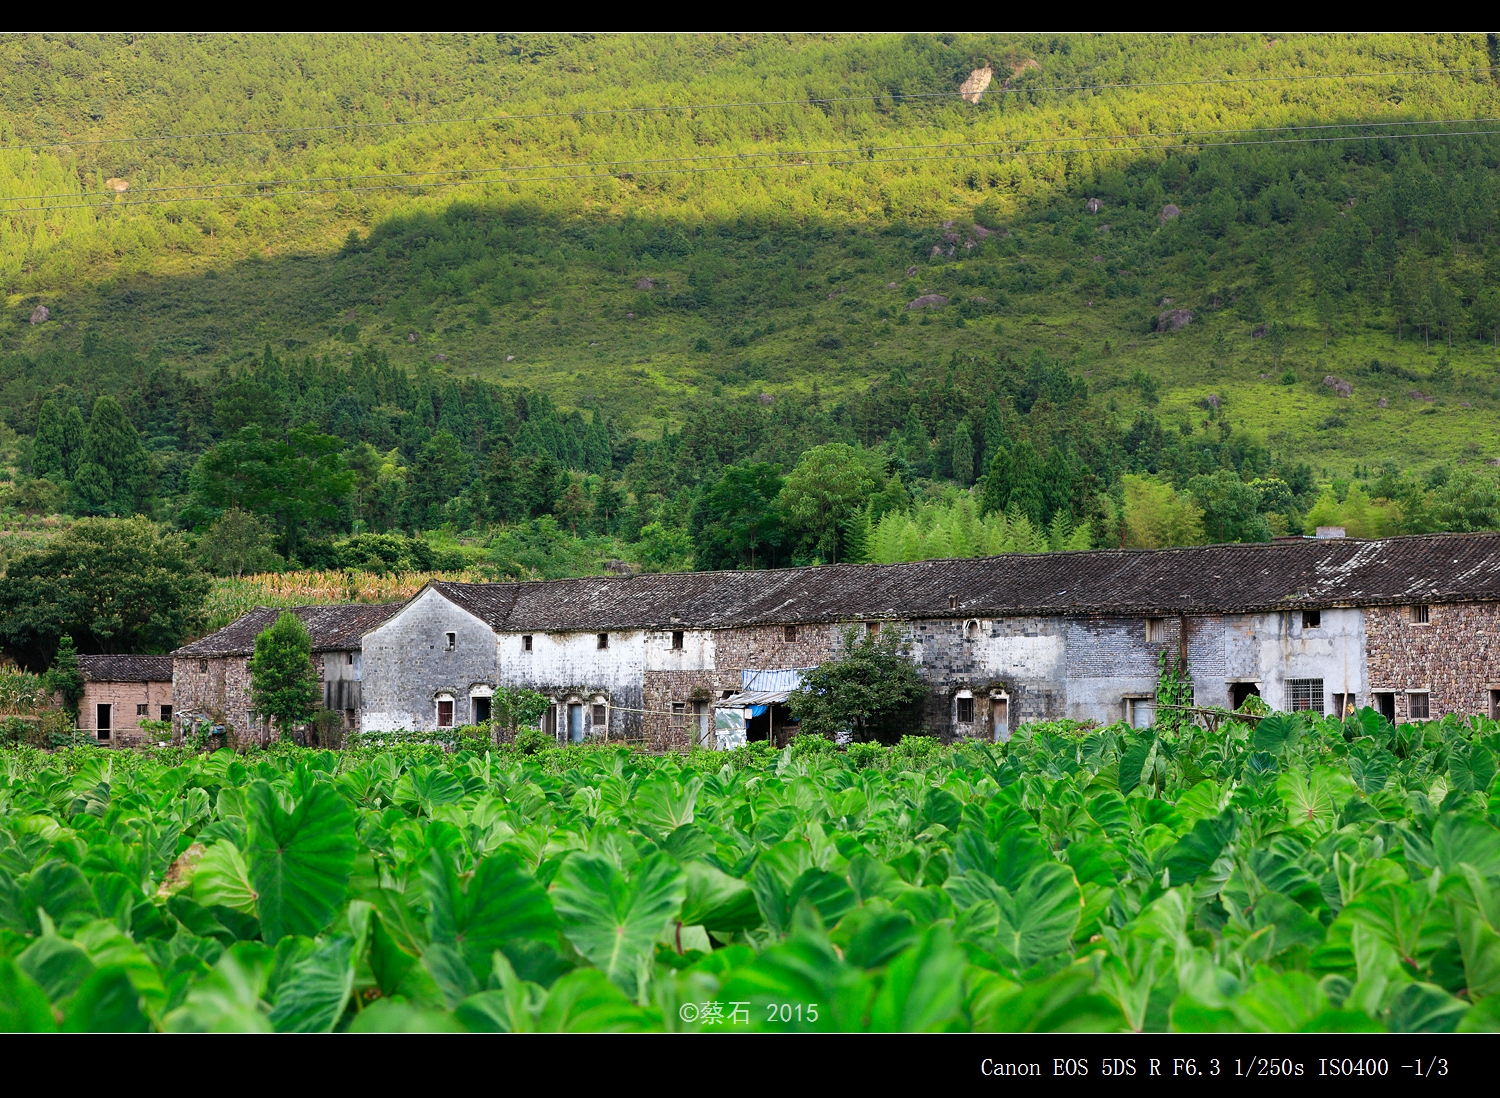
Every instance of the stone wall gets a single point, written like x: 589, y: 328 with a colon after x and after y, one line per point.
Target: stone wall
x: 664, y: 729
x: 1455, y: 656
x: 406, y: 665
x: 217, y: 690
x: 1023, y: 659
x: 126, y: 698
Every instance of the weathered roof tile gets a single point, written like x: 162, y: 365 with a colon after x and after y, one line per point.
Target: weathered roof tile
x: 126, y: 668
x: 333, y: 629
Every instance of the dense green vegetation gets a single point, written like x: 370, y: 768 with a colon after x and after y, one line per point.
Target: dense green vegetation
x: 1294, y: 875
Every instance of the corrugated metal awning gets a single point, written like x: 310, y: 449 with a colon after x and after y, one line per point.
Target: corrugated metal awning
x: 754, y: 697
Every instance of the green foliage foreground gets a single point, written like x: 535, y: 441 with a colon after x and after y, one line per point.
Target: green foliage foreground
x: 1297, y: 875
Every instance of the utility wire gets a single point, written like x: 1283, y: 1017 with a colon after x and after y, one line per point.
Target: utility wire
x: 868, y: 150
x: 897, y: 97
x: 755, y: 167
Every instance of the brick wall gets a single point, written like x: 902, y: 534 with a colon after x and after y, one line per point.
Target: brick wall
x: 125, y: 697
x: 665, y: 731
x: 217, y: 689
x: 1456, y: 655
x: 763, y: 647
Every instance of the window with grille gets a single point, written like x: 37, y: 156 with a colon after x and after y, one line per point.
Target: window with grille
x: 142, y: 709
x: 1416, y: 706
x: 600, y: 716
x: 1154, y: 631
x: 1304, y: 694
x: 965, y: 710
x: 1421, y: 614
x: 445, y: 713
x: 603, y: 640
x: 526, y: 642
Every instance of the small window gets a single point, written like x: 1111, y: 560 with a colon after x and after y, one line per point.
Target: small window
x: 1312, y: 619
x: 481, y: 710
x: 677, y: 639
x: 790, y: 632
x: 1304, y: 694
x: 679, y: 714
x: 526, y: 642
x: 349, y: 659
x: 142, y: 709
x: 1154, y: 631
x: 349, y: 717
x: 1344, y: 704
x: 202, y: 665
x: 1385, y: 701
x: 445, y: 712
x: 601, y: 716
x: 1421, y: 614
x: 971, y: 629
x: 166, y: 712
x: 450, y: 641
x: 603, y: 641
x: 1416, y: 705
x: 965, y: 710
x: 872, y: 628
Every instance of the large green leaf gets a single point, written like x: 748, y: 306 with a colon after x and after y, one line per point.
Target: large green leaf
x: 312, y: 999
x: 615, y: 921
x: 501, y: 903
x: 1313, y: 800
x: 1276, y: 732
x: 299, y: 862
x: 57, y: 965
x: 665, y: 805
x: 223, y: 880
x: 1460, y: 839
x: 803, y: 970
x: 227, y: 1000
x: 716, y: 901
x: 923, y: 987
x: 23, y: 1005
x: 1038, y: 920
x: 586, y: 1002
x: 1192, y: 854
x: 108, y: 1002
x: 60, y: 889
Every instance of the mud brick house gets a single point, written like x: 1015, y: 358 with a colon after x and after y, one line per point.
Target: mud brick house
x: 121, y: 691
x: 1408, y: 625
x: 211, y: 676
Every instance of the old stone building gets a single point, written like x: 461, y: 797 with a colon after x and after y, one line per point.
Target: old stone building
x: 121, y: 691
x: 211, y: 676
x: 1408, y: 625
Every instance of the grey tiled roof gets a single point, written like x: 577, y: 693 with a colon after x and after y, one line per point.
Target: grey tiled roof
x: 333, y: 629
x: 1305, y: 573
x: 126, y: 668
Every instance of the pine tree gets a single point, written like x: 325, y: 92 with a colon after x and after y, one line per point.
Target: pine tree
x: 963, y: 454
x: 998, y: 481
x: 596, y: 445
x: 112, y: 470
x: 1026, y: 483
x: 499, y: 480
x: 55, y: 453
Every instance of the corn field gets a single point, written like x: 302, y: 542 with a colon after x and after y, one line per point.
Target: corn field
x: 22, y: 694
x: 230, y: 597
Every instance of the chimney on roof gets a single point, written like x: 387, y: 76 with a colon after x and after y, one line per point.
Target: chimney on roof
x: 1330, y: 532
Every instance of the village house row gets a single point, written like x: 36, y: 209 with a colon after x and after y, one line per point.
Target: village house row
x: 1410, y: 626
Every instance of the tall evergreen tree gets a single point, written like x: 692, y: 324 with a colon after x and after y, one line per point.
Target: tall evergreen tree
x: 1026, y: 483
x: 499, y: 481
x: 59, y: 441
x: 998, y: 481
x: 283, y: 681
x: 112, y: 475
x: 963, y: 453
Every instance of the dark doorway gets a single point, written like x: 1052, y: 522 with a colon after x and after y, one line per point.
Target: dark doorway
x: 1239, y: 691
x: 481, y: 710
x: 783, y: 728
x: 1386, y: 704
x: 103, y: 719
x: 759, y: 728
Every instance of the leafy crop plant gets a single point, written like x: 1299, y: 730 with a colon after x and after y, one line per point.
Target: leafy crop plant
x: 1282, y: 874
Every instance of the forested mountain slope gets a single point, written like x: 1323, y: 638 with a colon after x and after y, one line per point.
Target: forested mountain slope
x: 740, y: 271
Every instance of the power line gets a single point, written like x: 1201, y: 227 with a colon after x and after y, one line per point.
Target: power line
x: 868, y: 150
x: 756, y: 167
x: 896, y: 97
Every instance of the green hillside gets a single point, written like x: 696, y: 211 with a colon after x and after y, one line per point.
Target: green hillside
x: 491, y: 271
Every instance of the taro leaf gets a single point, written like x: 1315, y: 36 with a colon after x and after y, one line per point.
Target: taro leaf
x: 804, y: 969
x: 222, y: 879
x: 57, y: 965
x: 689, y: 843
x: 1134, y: 761
x: 1425, y: 1008
x: 395, y: 1016
x: 1091, y: 861
x: 612, y: 921
x: 1195, y: 852
x: 503, y: 902
x: 663, y: 804
x: 585, y: 1001
x: 1109, y: 812
x: 117, y: 895
x: 1481, y: 950
x: 1466, y: 839
x: 429, y: 787
x: 61, y: 890
x: 773, y: 826
x: 717, y: 901
x: 107, y: 1003
x: 1312, y: 801
x: 1017, y: 853
x: 1280, y: 1004
x: 1199, y: 802
x: 450, y: 972
x: 871, y: 879
x: 776, y: 871
x: 299, y: 862
x: 1470, y: 770
x: 1058, y: 1002
x: 1290, y: 924
x: 940, y: 807
x: 199, y: 920
x: 23, y: 1005
x: 397, y: 970
x: 923, y: 987
x: 313, y: 998
x: 871, y: 935
x: 1038, y: 920
x: 1371, y: 770
x: 1276, y: 732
